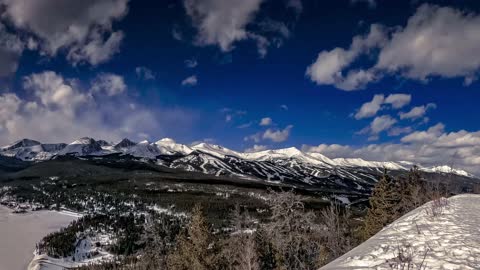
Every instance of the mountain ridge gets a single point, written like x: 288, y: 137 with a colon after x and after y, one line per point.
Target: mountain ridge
x: 31, y: 150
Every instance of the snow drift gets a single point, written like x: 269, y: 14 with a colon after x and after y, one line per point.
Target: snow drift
x: 428, y: 237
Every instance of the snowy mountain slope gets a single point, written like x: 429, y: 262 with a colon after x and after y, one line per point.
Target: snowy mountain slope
x: 82, y: 147
x: 27, y: 149
x: 169, y: 146
x: 215, y: 150
x: 449, y: 240
x: 289, y: 165
x: 358, y: 162
x: 446, y: 169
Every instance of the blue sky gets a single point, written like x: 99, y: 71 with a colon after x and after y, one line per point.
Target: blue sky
x: 211, y: 70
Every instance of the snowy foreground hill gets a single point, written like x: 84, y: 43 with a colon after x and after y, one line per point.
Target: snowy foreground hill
x: 446, y: 236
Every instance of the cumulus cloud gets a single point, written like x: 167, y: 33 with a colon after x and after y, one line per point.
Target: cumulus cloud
x: 382, y: 123
x: 434, y: 146
x: 190, y: 81
x: 417, y: 112
x: 109, y: 84
x: 398, y: 100
x: 256, y: 148
x: 371, y: 108
x: 224, y: 23
x: 221, y: 22
x: 328, y: 68
x: 428, y: 136
x: 11, y: 48
x: 83, y: 29
x: 426, y: 47
x: 56, y: 109
x: 144, y: 73
x: 266, y: 121
x: 277, y: 135
x: 330, y: 150
x: 378, y: 125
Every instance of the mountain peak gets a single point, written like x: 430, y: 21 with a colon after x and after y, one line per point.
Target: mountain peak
x: 125, y: 143
x: 84, y: 140
x: 21, y: 143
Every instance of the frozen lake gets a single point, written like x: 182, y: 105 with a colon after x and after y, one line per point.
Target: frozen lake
x: 20, y: 232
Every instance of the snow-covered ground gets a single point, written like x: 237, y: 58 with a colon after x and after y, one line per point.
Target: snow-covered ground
x: 20, y: 232
x: 449, y: 240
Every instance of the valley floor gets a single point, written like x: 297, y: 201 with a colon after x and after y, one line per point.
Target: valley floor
x: 19, y: 234
x: 445, y: 237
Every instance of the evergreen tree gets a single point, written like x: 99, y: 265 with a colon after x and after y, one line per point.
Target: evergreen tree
x: 412, y: 192
x: 193, y: 249
x: 383, y: 206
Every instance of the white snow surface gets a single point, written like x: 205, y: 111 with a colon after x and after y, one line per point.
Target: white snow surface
x: 358, y: 162
x: 450, y: 240
x: 215, y: 150
x: 170, y: 146
x: 20, y: 232
x: 447, y: 169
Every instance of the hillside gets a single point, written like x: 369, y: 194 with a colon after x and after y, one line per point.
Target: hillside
x: 429, y: 237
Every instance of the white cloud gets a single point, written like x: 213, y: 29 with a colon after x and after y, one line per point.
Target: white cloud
x: 329, y: 65
x: 220, y: 22
x: 190, y: 81
x: 284, y: 107
x: 56, y: 109
x: 396, y: 131
x: 382, y: 123
x: 82, y: 28
x: 54, y: 93
x: 256, y: 148
x: 371, y: 108
x: 428, y: 46
x: 330, y: 150
x: 108, y: 83
x: 11, y: 48
x: 434, y: 146
x: 277, y: 135
x: 378, y: 125
x: 398, y: 100
x: 417, y: 112
x: 428, y: 136
x: 223, y: 23
x: 144, y: 73
x: 266, y: 121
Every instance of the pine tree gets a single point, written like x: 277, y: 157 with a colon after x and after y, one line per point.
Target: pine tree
x: 383, y: 206
x: 193, y: 249
x: 412, y: 192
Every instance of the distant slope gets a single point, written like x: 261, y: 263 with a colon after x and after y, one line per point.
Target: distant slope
x: 450, y: 240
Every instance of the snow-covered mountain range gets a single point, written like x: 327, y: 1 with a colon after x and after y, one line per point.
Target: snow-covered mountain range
x: 278, y: 165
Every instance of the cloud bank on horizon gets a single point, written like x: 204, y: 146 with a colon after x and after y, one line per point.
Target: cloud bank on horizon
x: 83, y: 68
